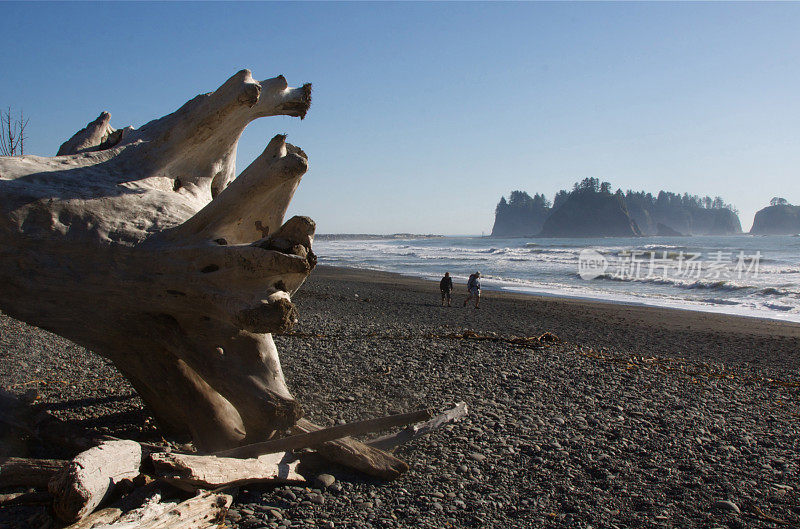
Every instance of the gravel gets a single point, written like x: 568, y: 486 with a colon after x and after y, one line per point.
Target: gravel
x: 581, y: 433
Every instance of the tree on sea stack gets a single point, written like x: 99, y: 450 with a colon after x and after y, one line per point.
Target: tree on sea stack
x: 140, y: 245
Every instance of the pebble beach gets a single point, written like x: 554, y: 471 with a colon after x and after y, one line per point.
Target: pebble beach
x: 620, y: 416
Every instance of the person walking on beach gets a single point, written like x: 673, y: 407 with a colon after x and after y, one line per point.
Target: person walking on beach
x: 474, y: 287
x: 446, y: 286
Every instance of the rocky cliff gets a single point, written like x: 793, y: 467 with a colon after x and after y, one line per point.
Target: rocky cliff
x: 779, y: 219
x: 520, y: 216
x: 683, y: 214
x: 589, y: 214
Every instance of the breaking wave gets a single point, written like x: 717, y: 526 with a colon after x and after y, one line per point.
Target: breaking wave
x: 551, y: 266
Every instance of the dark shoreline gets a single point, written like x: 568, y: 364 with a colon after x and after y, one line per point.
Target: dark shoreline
x: 637, y: 329
x: 782, y: 327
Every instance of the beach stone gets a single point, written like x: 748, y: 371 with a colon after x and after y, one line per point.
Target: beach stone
x: 726, y: 506
x: 250, y: 522
x: 290, y: 496
x: 317, y: 499
x: 323, y: 481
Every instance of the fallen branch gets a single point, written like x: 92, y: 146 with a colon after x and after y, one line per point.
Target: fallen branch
x: 314, y: 437
x: 354, y: 454
x: 88, y: 479
x: 390, y: 441
x: 764, y: 516
x: 24, y: 472
x: 212, y: 472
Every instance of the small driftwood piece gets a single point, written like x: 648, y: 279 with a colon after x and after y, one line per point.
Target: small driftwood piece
x: 25, y: 498
x: 212, y: 472
x: 24, y: 472
x: 355, y: 454
x: 390, y: 441
x: 204, y: 511
x: 151, y: 508
x: 98, y: 518
x: 314, y: 437
x: 139, y: 497
x: 88, y: 479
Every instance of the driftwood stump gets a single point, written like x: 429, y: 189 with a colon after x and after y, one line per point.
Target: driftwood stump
x: 140, y: 245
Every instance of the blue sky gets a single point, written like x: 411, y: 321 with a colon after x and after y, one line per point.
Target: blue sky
x: 424, y: 114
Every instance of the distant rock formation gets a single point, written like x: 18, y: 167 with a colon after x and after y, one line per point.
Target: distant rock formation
x: 684, y: 214
x: 521, y: 216
x: 587, y: 213
x: 781, y: 218
x: 715, y: 222
x: 593, y: 211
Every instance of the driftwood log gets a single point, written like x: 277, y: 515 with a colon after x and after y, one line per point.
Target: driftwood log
x: 22, y: 471
x: 80, y: 486
x: 355, y: 454
x: 25, y: 498
x: 140, y: 245
x: 137, y: 499
x: 190, y: 472
x: 204, y: 511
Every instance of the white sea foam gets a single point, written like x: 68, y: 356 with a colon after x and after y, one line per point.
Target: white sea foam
x: 549, y: 266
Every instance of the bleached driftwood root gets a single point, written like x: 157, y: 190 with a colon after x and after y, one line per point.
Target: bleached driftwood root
x: 140, y: 245
x: 89, y: 478
x: 211, y: 472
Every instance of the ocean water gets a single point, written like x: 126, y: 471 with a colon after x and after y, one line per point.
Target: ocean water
x: 746, y: 275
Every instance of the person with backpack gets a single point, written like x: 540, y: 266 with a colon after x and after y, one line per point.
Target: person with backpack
x: 446, y: 286
x: 474, y: 287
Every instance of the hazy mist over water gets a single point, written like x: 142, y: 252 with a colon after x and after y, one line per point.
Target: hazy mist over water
x: 745, y: 275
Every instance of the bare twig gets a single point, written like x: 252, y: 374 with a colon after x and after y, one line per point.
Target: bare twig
x: 12, y: 133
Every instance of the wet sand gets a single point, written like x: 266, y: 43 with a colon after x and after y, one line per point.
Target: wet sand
x: 633, y: 329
